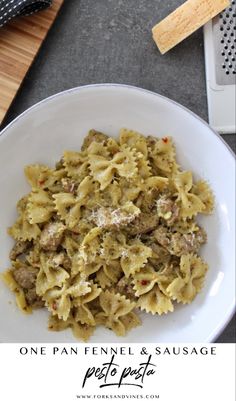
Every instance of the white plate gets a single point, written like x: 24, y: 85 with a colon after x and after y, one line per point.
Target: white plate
x: 42, y: 133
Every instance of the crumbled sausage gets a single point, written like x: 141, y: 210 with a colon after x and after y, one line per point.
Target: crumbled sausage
x: 25, y: 276
x: 162, y: 236
x: 33, y: 299
x: 143, y: 223
x: 93, y: 136
x: 68, y: 185
x: 59, y: 259
x: 19, y: 248
x: 147, y: 200
x: 67, y: 263
x: 51, y: 236
x: 167, y: 210
x: 56, y: 260
x: 187, y: 243
x: 59, y: 165
x: 179, y: 244
x: 151, y: 141
x: 125, y: 287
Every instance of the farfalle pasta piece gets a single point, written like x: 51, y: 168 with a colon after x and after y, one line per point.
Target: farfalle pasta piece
x: 123, y: 163
x: 11, y: 283
x: 76, y: 165
x: 71, y: 245
x: 49, y: 276
x: 133, y: 139
x: 112, y: 146
x: 59, y: 300
x: 162, y: 154
x: 68, y: 206
x: 23, y: 229
x: 144, y: 168
x: 99, y: 149
x: 87, y: 268
x: 81, y: 331
x: 136, y: 141
x: 109, y: 273
x: 134, y: 257
x: 155, y: 301
x: 40, y: 206
x: 130, y: 190
x: 90, y: 247
x: 42, y: 177
x: 205, y: 194
x: 114, y: 307
x: 85, y: 188
x: 79, y: 286
x: 88, y: 296
x: 190, y: 281
x: 144, y: 280
x: 130, y: 321
x: 68, y: 209
x: 102, y: 170
x: 112, y: 195
x: 113, y: 245
x: 84, y: 315
x: 83, y: 311
x: 36, y: 174
x: 168, y: 272
x: 190, y: 204
x: 93, y: 136
x: 156, y: 182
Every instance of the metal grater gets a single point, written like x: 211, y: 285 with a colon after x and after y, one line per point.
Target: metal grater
x: 220, y: 56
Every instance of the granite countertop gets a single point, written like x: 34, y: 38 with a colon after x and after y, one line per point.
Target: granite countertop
x: 110, y: 41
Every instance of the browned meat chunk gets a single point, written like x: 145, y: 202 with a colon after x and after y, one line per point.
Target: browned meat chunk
x: 93, y: 136
x: 144, y: 223
x: 51, y: 236
x: 162, y: 236
x: 179, y: 244
x: 55, y: 260
x: 125, y: 287
x: 33, y: 299
x: 167, y: 210
x: 19, y: 248
x: 187, y: 243
x: 151, y: 141
x: 146, y: 201
x: 59, y: 165
x: 25, y: 276
x: 68, y: 185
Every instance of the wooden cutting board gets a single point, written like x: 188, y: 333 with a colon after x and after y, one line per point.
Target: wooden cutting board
x: 20, y: 41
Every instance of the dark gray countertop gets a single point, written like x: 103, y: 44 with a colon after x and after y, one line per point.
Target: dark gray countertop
x: 97, y: 41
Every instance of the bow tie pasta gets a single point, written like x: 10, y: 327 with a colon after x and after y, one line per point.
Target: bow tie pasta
x: 107, y: 233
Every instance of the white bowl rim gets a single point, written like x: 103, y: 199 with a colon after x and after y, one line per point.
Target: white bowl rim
x: 231, y: 313
x: 125, y: 86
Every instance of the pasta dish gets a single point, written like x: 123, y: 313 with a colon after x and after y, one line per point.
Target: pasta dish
x: 110, y: 231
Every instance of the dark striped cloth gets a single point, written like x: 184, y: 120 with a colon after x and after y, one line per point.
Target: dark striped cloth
x: 12, y: 8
